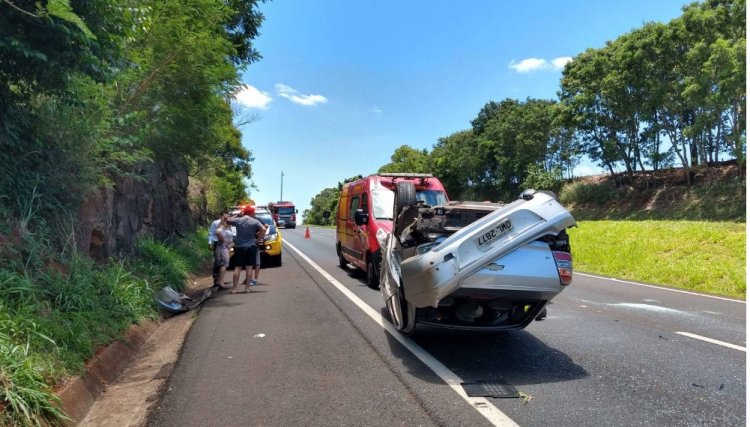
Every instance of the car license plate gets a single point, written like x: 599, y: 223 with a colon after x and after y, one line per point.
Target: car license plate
x: 494, y: 234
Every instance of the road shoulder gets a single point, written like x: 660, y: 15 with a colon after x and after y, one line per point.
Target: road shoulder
x: 129, y: 399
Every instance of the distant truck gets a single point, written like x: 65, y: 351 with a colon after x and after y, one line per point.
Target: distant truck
x: 284, y: 213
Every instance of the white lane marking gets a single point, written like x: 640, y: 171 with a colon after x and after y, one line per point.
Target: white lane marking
x: 648, y: 307
x: 481, y: 404
x: 712, y: 341
x: 662, y: 288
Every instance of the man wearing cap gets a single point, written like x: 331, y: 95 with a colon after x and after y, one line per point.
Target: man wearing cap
x: 249, y: 230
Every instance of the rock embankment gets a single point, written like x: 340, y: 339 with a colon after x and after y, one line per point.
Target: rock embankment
x: 152, y: 202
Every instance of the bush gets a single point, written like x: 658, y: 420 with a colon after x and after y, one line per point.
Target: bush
x: 583, y: 193
x: 161, y: 264
x: 540, y: 179
x: 56, y: 311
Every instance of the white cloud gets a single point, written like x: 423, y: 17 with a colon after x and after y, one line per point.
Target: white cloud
x: 559, y: 63
x: 298, y: 98
x: 529, y: 64
x: 538, y: 64
x: 251, y: 97
x: 376, y: 109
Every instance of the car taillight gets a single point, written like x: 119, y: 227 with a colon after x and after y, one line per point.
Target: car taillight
x: 564, y: 263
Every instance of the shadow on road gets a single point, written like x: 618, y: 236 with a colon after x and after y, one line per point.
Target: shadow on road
x: 517, y: 357
x: 355, y: 273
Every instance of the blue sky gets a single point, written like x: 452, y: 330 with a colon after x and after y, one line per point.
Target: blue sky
x: 342, y: 84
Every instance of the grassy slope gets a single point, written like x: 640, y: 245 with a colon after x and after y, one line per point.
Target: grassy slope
x: 701, y: 256
x: 55, y: 313
x: 686, y: 237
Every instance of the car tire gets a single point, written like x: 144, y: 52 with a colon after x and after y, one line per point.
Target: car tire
x: 403, y: 313
x: 406, y: 195
x: 342, y: 261
x: 277, y: 260
x: 373, y: 281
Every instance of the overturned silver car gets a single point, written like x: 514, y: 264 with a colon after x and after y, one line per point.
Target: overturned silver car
x: 474, y: 265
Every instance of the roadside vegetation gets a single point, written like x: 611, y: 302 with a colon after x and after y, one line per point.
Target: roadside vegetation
x: 90, y: 92
x: 58, y: 306
x: 699, y: 256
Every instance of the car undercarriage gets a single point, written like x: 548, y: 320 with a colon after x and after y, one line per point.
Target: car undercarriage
x: 475, y: 265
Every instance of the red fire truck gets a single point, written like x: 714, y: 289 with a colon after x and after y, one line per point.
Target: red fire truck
x: 284, y: 213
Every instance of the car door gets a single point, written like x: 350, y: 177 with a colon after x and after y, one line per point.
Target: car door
x: 352, y: 230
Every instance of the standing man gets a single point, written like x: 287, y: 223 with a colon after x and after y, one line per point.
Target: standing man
x: 213, y: 242
x: 249, y: 231
x: 260, y: 242
x: 224, y: 245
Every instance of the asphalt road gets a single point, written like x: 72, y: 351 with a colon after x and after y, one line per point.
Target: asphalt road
x: 609, y: 353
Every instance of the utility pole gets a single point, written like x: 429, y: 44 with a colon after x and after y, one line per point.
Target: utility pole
x: 281, y: 197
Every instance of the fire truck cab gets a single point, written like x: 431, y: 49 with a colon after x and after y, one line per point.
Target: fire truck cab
x: 284, y: 213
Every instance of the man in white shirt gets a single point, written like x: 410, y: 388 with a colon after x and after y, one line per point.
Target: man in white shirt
x: 212, y: 241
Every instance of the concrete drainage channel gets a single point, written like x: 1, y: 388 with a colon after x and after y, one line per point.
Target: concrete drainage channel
x: 78, y: 395
x: 124, y: 381
x: 128, y: 400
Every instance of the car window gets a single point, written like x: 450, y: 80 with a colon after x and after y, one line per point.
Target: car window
x: 265, y: 219
x: 432, y: 197
x: 353, y: 206
x: 382, y: 203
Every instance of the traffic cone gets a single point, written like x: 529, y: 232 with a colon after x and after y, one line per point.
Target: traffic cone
x: 307, y: 232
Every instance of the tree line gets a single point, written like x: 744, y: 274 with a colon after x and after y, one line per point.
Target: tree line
x: 663, y: 95
x: 90, y: 89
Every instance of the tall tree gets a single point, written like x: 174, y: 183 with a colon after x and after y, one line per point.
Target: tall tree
x: 516, y: 136
x: 458, y: 165
x: 407, y: 159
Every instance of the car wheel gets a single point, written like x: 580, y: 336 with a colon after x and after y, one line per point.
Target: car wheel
x: 277, y: 260
x: 403, y: 314
x: 373, y: 281
x: 342, y: 262
x: 406, y: 195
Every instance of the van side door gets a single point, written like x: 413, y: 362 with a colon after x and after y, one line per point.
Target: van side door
x: 362, y: 244
x: 352, y: 230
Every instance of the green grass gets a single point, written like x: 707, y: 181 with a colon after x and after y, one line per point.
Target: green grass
x: 55, y: 311
x: 701, y: 256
